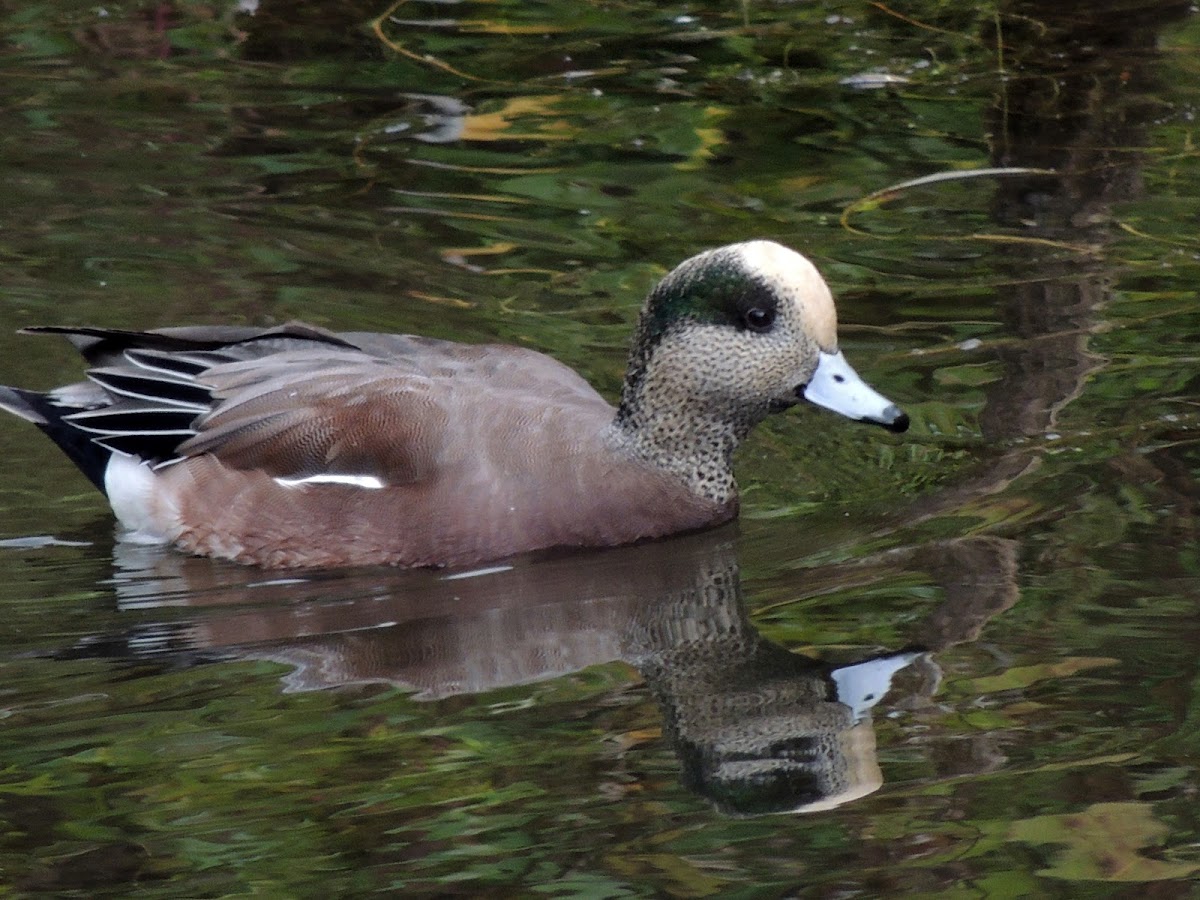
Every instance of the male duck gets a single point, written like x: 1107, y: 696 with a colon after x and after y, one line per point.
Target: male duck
x: 295, y: 446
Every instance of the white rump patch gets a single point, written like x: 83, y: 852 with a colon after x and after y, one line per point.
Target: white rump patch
x: 130, y: 484
x: 371, y: 482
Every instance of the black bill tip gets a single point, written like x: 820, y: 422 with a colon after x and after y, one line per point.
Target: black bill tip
x: 894, y: 419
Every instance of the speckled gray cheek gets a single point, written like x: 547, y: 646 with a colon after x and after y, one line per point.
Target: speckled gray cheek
x: 702, y: 391
x: 791, y: 363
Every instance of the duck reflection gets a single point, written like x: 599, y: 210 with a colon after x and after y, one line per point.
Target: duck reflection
x: 757, y: 728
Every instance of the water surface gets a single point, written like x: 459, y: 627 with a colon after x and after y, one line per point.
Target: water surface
x: 967, y: 656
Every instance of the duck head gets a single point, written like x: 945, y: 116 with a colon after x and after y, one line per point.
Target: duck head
x: 741, y: 331
x: 725, y: 339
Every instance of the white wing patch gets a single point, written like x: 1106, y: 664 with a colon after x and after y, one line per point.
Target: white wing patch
x: 477, y: 573
x: 370, y: 482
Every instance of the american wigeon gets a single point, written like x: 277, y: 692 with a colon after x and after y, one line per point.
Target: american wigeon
x: 296, y: 446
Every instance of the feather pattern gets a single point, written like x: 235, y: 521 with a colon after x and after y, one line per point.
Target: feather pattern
x: 153, y: 387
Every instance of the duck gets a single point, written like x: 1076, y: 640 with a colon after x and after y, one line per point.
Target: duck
x: 298, y: 447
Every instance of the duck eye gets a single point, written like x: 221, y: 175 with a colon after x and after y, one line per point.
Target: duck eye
x: 759, y: 319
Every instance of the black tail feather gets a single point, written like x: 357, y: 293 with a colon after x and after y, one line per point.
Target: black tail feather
x: 90, y: 457
x: 161, y: 390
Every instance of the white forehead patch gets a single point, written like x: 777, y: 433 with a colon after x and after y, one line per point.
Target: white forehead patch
x: 795, y: 278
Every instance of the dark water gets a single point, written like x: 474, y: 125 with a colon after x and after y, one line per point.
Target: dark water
x: 970, y: 654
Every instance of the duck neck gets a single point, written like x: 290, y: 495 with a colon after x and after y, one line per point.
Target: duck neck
x: 691, y: 440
